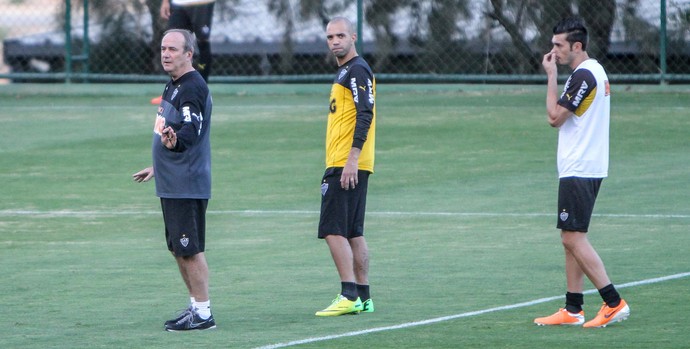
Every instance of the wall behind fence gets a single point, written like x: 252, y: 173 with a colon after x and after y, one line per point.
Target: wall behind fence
x: 405, y: 40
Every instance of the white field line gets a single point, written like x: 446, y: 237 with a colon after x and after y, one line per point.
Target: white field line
x: 93, y: 213
x: 462, y: 315
x: 135, y: 107
x: 105, y: 213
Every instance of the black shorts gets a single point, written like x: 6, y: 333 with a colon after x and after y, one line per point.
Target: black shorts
x: 342, y: 211
x: 185, y: 225
x: 196, y: 18
x: 576, y: 197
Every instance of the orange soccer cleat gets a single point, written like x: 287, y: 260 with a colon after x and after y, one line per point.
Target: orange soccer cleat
x: 561, y: 317
x: 608, y: 315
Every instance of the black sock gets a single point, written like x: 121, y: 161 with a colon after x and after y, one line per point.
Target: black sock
x: 610, y: 296
x: 574, y: 302
x: 363, y: 292
x: 349, y: 290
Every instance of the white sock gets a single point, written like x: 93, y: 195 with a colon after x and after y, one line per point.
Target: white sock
x: 203, y: 309
x: 192, y: 300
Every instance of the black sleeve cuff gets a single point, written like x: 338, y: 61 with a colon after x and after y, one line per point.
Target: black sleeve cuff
x: 178, y: 147
x: 358, y: 143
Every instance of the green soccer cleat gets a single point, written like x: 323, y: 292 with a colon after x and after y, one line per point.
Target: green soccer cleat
x: 358, y: 306
x: 368, y: 306
x: 341, y: 306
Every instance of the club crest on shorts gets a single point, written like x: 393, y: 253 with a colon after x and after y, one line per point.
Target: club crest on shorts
x: 563, y: 216
x: 324, y: 188
x: 184, y: 240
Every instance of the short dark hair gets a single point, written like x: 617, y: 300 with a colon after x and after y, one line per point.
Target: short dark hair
x: 575, y: 28
x: 348, y: 23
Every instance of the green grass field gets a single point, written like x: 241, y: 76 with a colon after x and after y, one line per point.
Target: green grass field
x: 460, y: 221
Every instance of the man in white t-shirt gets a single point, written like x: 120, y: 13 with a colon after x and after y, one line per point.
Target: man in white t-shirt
x: 581, y: 114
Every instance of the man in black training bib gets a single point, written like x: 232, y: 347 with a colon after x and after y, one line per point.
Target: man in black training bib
x: 182, y: 168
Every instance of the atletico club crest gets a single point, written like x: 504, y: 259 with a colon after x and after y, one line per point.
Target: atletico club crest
x: 184, y: 240
x: 563, y: 216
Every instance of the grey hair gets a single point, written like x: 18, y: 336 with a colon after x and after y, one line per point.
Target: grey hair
x: 189, y: 38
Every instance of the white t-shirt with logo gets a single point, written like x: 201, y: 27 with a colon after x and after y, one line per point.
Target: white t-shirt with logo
x: 583, y: 139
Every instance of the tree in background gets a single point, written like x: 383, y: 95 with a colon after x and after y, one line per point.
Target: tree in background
x: 322, y: 10
x: 599, y: 16
x: 158, y: 25
x: 378, y: 15
x: 518, y: 16
x: 282, y: 9
x: 123, y: 44
x: 641, y: 35
x: 409, y: 36
x: 514, y: 16
x: 444, y: 42
x: 433, y: 31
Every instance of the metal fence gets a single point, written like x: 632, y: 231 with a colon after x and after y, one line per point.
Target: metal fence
x: 404, y: 40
